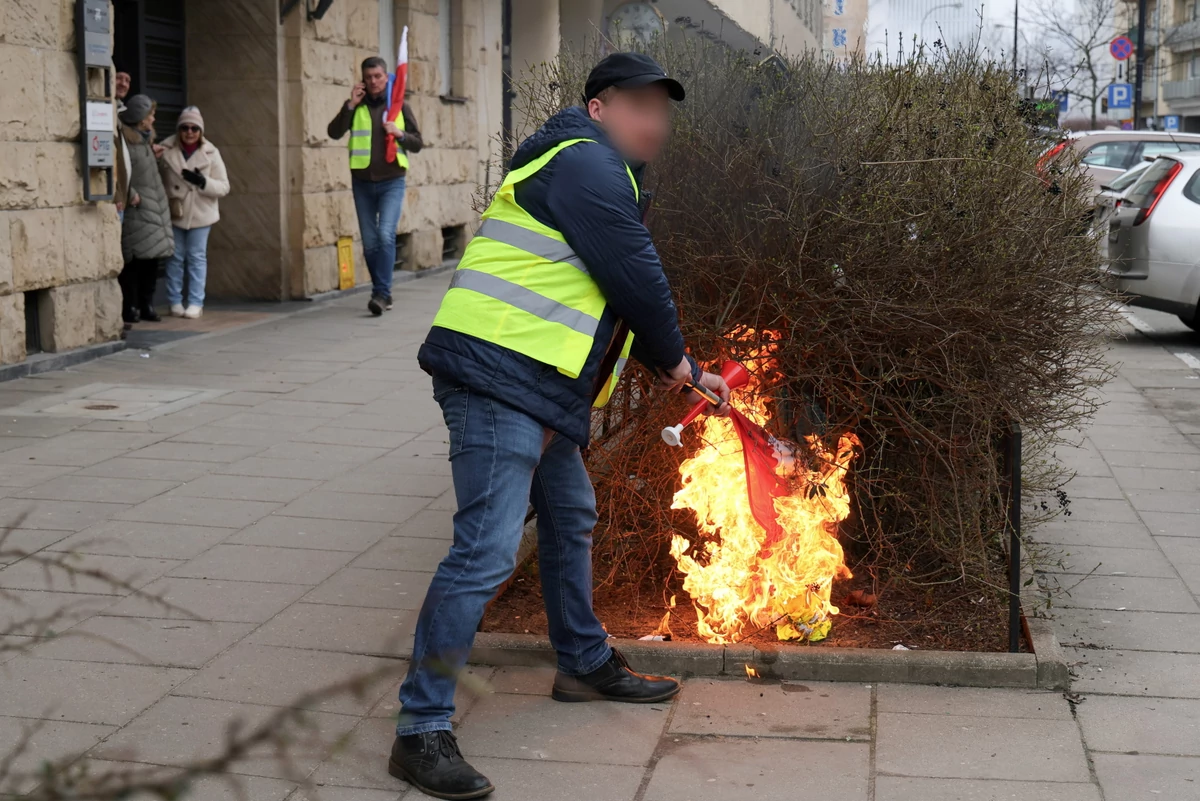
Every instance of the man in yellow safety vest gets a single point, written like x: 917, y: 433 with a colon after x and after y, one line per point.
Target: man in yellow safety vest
x: 531, y: 334
x: 378, y: 183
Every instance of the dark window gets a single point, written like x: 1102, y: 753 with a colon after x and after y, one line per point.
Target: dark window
x: 402, y: 246
x: 451, y: 242
x: 33, y: 324
x: 1191, y: 190
x: 1116, y: 155
x: 1144, y: 188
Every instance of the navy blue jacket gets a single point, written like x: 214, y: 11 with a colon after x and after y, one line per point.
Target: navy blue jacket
x: 585, y: 193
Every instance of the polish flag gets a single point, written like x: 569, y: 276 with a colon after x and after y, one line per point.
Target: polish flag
x: 396, y: 91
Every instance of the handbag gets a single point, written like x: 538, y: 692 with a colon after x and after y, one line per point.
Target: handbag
x: 176, y: 206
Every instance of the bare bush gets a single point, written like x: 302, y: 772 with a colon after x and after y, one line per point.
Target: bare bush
x: 928, y: 283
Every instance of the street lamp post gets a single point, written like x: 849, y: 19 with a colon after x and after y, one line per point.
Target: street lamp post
x: 1016, y: 28
x: 925, y: 18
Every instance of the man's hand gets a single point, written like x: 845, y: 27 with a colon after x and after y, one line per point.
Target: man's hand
x: 394, y: 130
x: 673, y: 380
x: 713, y: 382
x: 357, y: 93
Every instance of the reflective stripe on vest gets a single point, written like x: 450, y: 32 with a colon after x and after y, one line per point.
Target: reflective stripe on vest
x: 611, y: 384
x: 521, y: 286
x: 360, y: 139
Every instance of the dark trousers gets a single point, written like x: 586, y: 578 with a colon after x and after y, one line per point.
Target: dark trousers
x: 137, y: 280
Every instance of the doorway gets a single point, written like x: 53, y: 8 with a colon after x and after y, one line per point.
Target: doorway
x: 151, y: 46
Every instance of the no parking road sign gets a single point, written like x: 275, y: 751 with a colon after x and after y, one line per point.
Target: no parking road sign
x: 1121, y: 48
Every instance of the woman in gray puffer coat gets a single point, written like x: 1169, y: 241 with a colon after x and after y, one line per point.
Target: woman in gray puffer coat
x: 146, y: 235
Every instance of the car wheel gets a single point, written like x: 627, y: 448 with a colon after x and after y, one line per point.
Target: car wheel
x: 1192, y: 322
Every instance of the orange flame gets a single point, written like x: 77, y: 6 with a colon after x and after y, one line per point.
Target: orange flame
x: 751, y: 673
x: 736, y: 587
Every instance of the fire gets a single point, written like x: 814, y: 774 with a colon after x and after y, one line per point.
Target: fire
x: 737, y: 586
x: 752, y: 673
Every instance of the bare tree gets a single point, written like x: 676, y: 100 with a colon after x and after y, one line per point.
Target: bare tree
x: 1078, y: 37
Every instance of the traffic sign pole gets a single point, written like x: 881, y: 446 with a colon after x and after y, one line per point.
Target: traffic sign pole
x: 1141, y: 64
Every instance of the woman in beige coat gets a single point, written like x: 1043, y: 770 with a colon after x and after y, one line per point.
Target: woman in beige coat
x: 194, y: 175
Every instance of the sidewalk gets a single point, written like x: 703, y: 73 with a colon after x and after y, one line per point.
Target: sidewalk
x: 287, y: 483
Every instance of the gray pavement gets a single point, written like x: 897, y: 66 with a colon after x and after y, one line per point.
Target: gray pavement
x: 283, y: 487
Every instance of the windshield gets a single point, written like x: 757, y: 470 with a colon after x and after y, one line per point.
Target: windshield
x: 1129, y: 177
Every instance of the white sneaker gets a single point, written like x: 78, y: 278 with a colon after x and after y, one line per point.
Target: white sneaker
x: 177, y: 310
x: 193, y: 312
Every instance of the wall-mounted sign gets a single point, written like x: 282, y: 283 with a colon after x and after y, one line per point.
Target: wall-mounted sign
x: 99, y: 147
x: 97, y: 33
x: 99, y: 116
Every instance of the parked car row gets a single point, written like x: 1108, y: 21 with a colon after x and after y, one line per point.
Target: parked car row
x: 1147, y: 212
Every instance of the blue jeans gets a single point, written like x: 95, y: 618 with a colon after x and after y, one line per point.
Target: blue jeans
x: 501, y: 459
x: 191, y: 245
x: 379, y: 204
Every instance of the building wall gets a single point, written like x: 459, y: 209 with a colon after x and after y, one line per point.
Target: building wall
x: 845, y: 33
x: 51, y: 242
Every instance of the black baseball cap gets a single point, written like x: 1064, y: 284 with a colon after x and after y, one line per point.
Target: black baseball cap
x: 626, y: 71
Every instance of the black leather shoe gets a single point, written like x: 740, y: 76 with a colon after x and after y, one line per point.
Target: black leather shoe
x: 149, y: 315
x: 614, y: 681
x: 375, y: 305
x: 432, y: 763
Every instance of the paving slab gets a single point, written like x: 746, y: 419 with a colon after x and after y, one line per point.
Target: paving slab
x: 380, y: 589
x: 255, y: 421
x: 750, y: 770
x: 413, y: 554
x: 48, y: 740
x: 345, y: 506
x: 1148, y: 478
x: 1102, y: 487
x: 349, y: 454
x: 375, y: 481
x: 1127, y: 593
x: 32, y: 613
x: 84, y: 692
x: 28, y: 475
x: 1145, y: 725
x: 540, y: 728
x: 1103, y: 561
x: 1153, y: 459
x: 246, y: 488
x: 1138, y: 777
x: 1140, y: 631
x: 1068, y: 533
x: 898, y: 788
x: 144, y: 641
x: 209, y: 599
x: 353, y: 437
x: 56, y: 515
x: 282, y: 531
x: 328, y: 792
x: 340, y: 628
x: 98, y: 574
x: 197, y: 452
x: 381, y: 421
x: 972, y: 701
x: 96, y: 488
x: 522, y: 780
x: 178, y: 730
x: 263, y: 564
x: 523, y: 680
x: 296, y: 408
x: 811, y: 710
x: 285, y: 468
x: 155, y: 469
x: 17, y: 543
x: 130, y: 538
x: 1135, y: 673
x: 1184, y: 554
x: 428, y: 523
x: 262, y: 674
x: 198, y: 511
x: 362, y: 760
x: 218, y: 434
x: 967, y: 747
x: 1172, y: 524
x: 1097, y: 510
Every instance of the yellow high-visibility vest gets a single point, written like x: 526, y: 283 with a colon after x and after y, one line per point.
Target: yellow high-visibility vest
x: 360, y: 139
x: 520, y: 285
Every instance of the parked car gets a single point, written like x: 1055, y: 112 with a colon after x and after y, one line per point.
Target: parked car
x: 1107, y: 154
x: 1154, y: 238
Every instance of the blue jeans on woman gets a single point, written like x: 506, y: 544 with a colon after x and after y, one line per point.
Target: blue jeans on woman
x: 501, y: 459
x: 379, y: 204
x: 191, y: 246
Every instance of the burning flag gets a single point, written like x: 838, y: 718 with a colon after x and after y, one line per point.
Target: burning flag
x: 395, y: 92
x: 770, y: 511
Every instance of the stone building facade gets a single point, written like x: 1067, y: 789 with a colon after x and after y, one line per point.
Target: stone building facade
x: 267, y: 86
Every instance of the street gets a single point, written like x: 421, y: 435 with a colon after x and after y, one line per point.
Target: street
x: 284, y: 486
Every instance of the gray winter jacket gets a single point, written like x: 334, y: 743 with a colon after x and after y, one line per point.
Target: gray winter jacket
x: 146, y: 232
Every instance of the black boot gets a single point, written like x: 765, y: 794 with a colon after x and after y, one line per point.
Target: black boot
x: 432, y: 763
x: 614, y: 681
x: 149, y: 315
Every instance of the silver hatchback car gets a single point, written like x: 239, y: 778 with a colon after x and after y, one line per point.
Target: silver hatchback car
x: 1154, y: 238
